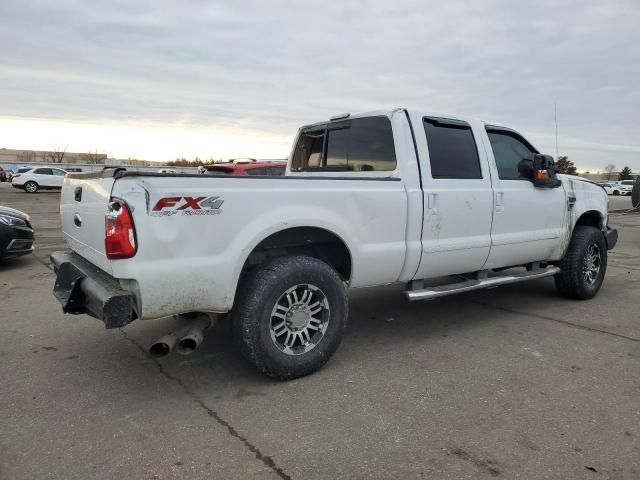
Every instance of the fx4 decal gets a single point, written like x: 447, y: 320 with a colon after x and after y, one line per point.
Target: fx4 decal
x: 168, y: 206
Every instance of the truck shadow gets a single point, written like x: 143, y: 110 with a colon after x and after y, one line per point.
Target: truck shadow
x: 384, y: 331
x: 381, y: 323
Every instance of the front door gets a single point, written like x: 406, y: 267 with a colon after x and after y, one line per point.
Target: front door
x: 458, y: 200
x: 528, y: 222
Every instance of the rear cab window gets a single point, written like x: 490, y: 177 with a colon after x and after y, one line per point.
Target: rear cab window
x: 354, y: 145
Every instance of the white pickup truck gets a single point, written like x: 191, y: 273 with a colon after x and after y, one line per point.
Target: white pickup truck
x: 369, y: 199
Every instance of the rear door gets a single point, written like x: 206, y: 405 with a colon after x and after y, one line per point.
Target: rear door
x: 528, y: 222
x: 458, y: 200
x: 58, y: 177
x: 83, y: 207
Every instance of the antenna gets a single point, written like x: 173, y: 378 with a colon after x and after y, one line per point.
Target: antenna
x: 555, y: 119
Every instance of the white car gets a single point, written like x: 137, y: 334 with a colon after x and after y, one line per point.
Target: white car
x: 616, y: 188
x: 38, y: 178
x: 391, y: 196
x: 625, y: 187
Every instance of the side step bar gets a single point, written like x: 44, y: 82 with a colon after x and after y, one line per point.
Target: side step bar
x: 469, y: 285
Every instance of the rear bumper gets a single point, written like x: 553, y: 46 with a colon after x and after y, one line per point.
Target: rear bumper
x: 81, y: 287
x: 611, y: 237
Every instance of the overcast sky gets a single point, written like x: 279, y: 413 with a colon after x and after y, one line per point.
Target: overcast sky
x: 157, y: 79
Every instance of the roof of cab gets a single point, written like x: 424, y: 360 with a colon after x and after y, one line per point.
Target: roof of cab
x: 389, y: 112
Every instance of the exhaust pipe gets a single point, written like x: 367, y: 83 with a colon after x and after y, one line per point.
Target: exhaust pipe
x: 163, y: 347
x: 187, y: 338
x: 192, y: 333
x: 195, y: 334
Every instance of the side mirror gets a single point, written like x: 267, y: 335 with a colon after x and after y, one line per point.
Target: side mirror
x: 544, y: 172
x: 525, y: 168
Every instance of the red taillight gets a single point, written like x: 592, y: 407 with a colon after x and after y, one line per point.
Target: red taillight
x: 16, y: 175
x: 120, y: 239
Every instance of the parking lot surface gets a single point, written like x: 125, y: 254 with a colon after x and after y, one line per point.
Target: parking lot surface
x: 514, y: 382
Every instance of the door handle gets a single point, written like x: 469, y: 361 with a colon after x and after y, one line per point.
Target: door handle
x: 499, y: 201
x: 431, y: 202
x: 77, y: 194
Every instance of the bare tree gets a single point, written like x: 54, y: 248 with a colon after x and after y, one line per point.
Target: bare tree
x: 609, y: 169
x: 56, y: 154
x: 93, y: 157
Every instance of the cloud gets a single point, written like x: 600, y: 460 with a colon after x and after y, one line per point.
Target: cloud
x: 263, y: 68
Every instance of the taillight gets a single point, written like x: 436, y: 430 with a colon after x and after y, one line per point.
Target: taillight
x: 120, y: 239
x: 16, y: 175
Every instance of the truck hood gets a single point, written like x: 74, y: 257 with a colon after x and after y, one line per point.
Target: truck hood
x: 569, y: 179
x: 14, y: 213
x: 574, y: 177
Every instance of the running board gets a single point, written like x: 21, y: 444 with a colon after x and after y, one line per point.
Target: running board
x: 470, y: 285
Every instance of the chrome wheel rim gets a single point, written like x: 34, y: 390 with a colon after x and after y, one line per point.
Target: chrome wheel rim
x: 299, y: 319
x: 592, y: 263
x: 30, y: 187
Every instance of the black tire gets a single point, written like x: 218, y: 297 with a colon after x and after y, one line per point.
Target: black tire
x: 616, y: 193
x: 573, y: 281
x: 258, y: 296
x: 31, y: 187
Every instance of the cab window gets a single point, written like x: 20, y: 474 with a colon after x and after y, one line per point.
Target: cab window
x: 509, y: 149
x: 452, y: 149
x: 356, y: 145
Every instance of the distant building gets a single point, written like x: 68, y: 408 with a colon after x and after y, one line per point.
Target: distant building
x: 12, y: 156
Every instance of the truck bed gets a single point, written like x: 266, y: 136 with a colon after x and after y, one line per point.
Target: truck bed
x: 189, y: 256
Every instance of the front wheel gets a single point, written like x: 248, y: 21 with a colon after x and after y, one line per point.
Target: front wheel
x: 31, y: 187
x: 290, y: 316
x: 584, y: 265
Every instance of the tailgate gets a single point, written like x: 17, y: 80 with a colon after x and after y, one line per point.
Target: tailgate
x: 83, y: 205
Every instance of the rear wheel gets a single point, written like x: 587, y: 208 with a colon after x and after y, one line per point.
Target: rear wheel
x: 584, y: 265
x: 290, y: 316
x: 616, y: 193
x: 31, y: 187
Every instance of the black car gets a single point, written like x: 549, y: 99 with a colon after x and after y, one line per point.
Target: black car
x: 16, y: 233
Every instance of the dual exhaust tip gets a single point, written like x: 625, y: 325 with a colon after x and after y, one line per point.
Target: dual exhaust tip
x: 185, y: 340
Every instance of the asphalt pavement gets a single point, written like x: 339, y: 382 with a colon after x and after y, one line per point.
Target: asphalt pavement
x: 514, y: 382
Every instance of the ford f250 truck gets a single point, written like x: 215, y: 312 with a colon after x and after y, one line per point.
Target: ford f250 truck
x: 369, y: 199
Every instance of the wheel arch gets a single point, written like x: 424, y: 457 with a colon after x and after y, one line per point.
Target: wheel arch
x: 314, y: 241
x: 591, y: 218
